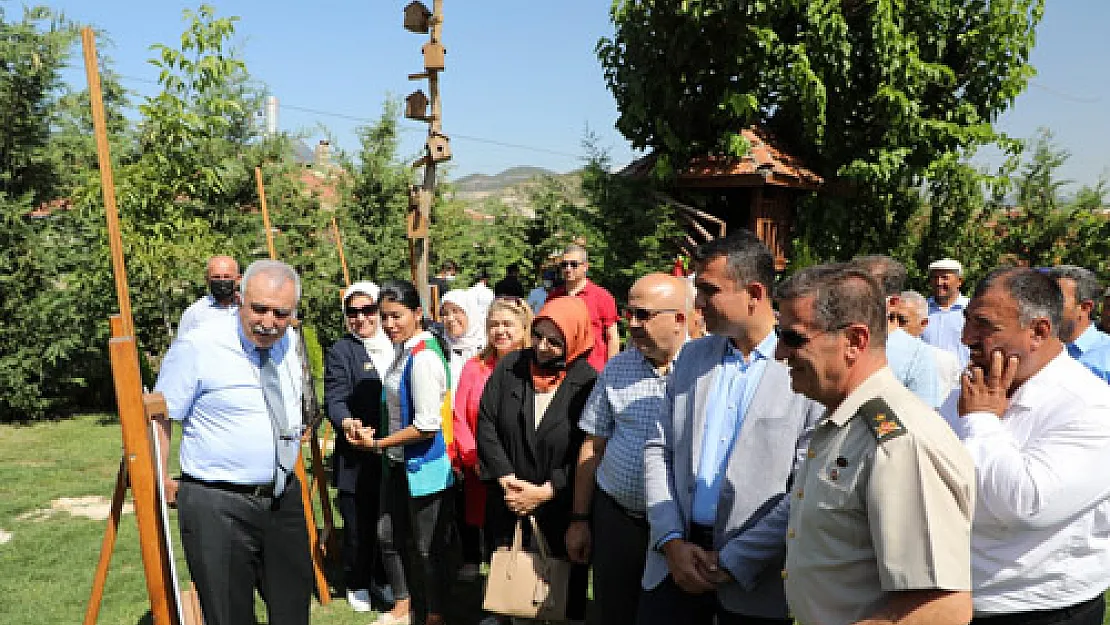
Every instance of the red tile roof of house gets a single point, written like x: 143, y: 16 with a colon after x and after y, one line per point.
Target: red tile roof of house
x: 766, y: 163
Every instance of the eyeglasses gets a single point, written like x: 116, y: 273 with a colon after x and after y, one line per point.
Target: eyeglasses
x: 796, y: 340
x: 900, y: 319
x: 279, y: 313
x: 556, y: 342
x: 643, y: 315
x: 368, y: 310
x: 570, y: 264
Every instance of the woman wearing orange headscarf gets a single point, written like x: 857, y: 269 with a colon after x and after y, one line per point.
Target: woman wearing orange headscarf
x: 528, y: 434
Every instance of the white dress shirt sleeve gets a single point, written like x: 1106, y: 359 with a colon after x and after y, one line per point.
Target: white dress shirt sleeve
x: 429, y: 384
x: 1054, y: 477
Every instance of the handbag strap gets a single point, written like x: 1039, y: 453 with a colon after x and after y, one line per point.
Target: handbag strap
x: 537, y: 537
x: 518, y: 536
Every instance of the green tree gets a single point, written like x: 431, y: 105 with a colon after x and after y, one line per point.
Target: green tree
x: 877, y: 97
x: 1046, y: 226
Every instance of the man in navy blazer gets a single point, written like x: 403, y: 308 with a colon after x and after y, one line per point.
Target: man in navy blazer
x: 725, y: 447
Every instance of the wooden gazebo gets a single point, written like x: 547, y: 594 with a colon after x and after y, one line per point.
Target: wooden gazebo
x: 757, y: 191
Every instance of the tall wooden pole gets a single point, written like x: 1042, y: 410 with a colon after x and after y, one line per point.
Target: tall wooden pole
x: 265, y: 213
x: 108, y: 186
x: 419, y: 244
x: 339, y: 246
x: 306, y: 491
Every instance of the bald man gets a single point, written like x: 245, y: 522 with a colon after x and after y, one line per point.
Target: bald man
x: 609, y: 523
x: 222, y: 299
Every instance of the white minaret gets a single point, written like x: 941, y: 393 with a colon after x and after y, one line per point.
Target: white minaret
x: 271, y: 115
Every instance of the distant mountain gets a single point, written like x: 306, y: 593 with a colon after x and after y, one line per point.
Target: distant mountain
x: 511, y: 188
x: 477, y: 183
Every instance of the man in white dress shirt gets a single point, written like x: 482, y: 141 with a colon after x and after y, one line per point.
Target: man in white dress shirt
x: 1037, y: 424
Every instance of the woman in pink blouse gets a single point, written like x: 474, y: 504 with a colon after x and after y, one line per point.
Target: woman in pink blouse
x: 507, y: 324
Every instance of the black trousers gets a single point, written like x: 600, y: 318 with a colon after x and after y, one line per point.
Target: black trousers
x: 359, y: 506
x: 233, y: 539
x: 619, y: 544
x: 470, y: 536
x: 1086, y: 613
x: 667, y: 604
x: 415, y: 535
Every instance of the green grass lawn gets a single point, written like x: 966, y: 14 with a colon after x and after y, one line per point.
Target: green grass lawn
x: 46, y: 569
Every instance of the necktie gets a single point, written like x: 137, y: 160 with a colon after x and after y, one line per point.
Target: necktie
x: 286, y: 445
x: 1074, y: 351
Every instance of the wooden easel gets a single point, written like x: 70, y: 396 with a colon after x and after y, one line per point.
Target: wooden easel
x: 321, y: 549
x: 137, y: 467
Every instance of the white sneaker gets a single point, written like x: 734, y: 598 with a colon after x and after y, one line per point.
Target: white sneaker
x: 359, y: 600
x: 468, y: 572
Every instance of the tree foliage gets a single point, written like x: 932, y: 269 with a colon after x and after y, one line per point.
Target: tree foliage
x: 876, y: 96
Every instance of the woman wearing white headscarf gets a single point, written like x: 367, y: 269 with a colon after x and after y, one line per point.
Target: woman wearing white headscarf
x: 353, y: 374
x: 464, y: 324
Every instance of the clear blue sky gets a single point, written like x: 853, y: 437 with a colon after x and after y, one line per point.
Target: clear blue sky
x: 524, y: 73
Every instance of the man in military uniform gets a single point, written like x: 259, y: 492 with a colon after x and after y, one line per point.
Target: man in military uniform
x: 880, y: 518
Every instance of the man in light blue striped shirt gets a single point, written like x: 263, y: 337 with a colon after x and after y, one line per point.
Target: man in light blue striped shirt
x: 609, y: 523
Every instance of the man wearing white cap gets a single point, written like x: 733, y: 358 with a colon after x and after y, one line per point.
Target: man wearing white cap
x: 946, y: 308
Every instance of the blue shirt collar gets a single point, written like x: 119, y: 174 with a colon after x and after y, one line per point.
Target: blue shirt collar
x: 1088, y: 339
x: 961, y: 303
x: 764, y: 350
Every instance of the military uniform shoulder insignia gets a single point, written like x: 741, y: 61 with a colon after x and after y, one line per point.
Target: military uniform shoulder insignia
x: 881, y: 420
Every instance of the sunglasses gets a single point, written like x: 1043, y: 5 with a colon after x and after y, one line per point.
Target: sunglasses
x: 898, y: 318
x: 644, y: 315
x: 571, y: 264
x: 368, y: 310
x: 793, y: 339
x: 510, y: 299
x: 279, y: 313
x: 556, y: 342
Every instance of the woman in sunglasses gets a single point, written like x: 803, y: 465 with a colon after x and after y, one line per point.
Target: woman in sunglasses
x: 506, y: 331
x: 353, y: 372
x: 415, y: 498
x: 528, y: 434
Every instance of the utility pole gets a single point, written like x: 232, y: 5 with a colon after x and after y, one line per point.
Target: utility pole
x: 437, y: 149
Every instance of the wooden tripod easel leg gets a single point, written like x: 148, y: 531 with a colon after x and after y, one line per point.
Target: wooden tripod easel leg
x: 313, y: 540
x: 100, y: 577
x: 320, y: 480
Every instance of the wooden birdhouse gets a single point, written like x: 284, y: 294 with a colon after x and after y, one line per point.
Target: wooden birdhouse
x: 418, y: 18
x: 420, y: 206
x: 416, y: 106
x: 439, y: 148
x: 434, y: 54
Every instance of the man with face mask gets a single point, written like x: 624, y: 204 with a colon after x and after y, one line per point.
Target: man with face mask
x: 222, y: 299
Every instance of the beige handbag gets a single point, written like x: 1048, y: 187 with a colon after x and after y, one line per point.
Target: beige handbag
x: 527, y: 584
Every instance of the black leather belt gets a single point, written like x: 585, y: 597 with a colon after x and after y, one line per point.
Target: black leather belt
x: 254, y: 490
x: 1041, y: 617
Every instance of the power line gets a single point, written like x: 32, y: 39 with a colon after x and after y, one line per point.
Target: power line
x: 368, y: 120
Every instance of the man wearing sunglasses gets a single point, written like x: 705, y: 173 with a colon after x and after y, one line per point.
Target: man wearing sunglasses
x: 602, y: 306
x: 718, y: 462
x: 235, y: 386
x: 610, y: 528
x: 880, y: 514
